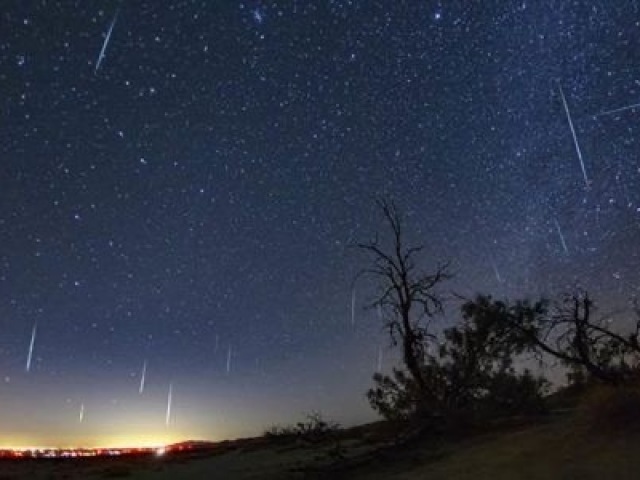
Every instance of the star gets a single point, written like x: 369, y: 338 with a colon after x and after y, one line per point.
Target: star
x: 258, y: 16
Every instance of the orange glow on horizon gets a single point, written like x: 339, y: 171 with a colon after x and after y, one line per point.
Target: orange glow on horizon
x: 106, y: 442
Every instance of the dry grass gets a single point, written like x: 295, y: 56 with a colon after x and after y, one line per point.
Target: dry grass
x: 563, y: 448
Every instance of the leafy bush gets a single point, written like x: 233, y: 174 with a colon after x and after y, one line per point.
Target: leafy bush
x: 395, y: 397
x: 512, y: 393
x: 471, y: 375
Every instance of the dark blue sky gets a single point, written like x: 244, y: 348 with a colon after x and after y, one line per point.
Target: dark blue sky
x: 206, y: 179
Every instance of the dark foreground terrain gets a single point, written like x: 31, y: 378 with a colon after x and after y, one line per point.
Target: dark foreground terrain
x: 558, y: 446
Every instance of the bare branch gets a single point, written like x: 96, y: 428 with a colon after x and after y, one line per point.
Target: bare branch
x: 408, y: 296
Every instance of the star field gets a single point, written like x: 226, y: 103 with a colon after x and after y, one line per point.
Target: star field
x: 183, y: 178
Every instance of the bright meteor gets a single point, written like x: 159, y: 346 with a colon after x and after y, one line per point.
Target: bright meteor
x: 31, y: 345
x: 575, y: 137
x: 169, y: 400
x: 617, y: 110
x: 143, y: 377
x: 106, y: 42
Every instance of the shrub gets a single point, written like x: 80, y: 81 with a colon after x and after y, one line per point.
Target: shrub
x: 395, y: 397
x: 513, y: 393
x: 279, y: 431
x: 315, y: 428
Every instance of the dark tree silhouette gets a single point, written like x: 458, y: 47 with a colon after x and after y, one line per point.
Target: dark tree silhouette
x: 408, y: 295
x: 471, y: 376
x: 570, y: 333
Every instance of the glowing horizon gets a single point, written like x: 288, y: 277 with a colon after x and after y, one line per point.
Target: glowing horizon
x: 111, y: 442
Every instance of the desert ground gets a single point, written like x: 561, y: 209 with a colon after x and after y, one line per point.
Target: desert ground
x: 557, y: 446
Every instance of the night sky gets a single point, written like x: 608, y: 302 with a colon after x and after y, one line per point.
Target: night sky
x: 181, y: 181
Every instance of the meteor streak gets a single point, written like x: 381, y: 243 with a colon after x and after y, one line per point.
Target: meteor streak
x: 353, y: 297
x: 573, y: 133
x: 169, y: 400
x: 229, y: 359
x: 143, y: 377
x: 617, y: 110
x: 81, y: 417
x: 106, y: 41
x: 562, y: 240
x: 33, y: 341
x: 497, y: 272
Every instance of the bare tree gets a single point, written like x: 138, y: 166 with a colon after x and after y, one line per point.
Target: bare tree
x: 407, y: 294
